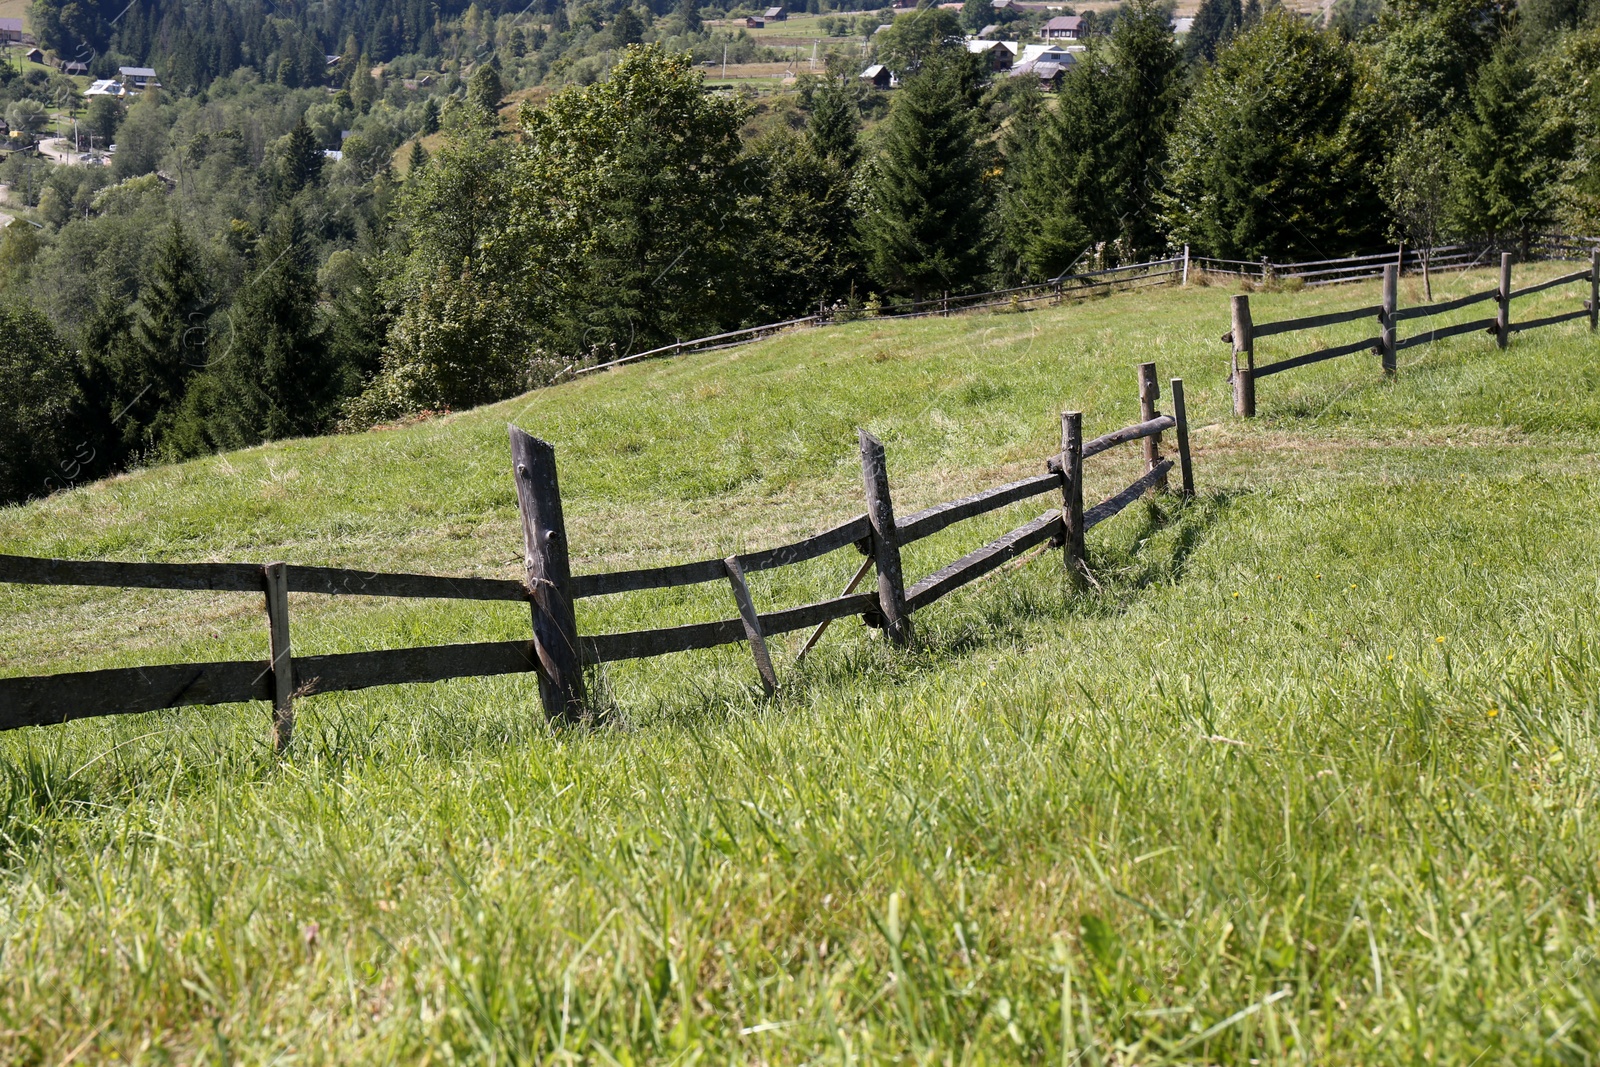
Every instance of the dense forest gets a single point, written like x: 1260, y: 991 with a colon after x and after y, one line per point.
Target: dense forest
x: 332, y: 218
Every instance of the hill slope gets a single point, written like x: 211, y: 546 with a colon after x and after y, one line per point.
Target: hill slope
x: 1306, y: 779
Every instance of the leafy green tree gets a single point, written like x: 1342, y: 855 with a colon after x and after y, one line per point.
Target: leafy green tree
x: 916, y: 37
x: 1429, y: 52
x: 485, y: 90
x: 41, y: 446
x: 1416, y: 181
x: 1509, y: 153
x: 26, y: 117
x: 105, y: 115
x: 976, y: 14
x: 923, y: 225
x: 142, y: 138
x: 629, y: 198
x: 1275, y: 151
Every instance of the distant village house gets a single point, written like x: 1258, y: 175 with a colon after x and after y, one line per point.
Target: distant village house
x: 776, y: 14
x: 11, y: 31
x: 138, y: 79
x: 879, y: 76
x: 1063, y: 28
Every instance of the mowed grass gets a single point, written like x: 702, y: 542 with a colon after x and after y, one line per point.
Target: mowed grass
x: 1307, y: 776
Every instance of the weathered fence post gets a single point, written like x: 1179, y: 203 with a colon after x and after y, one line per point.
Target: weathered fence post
x: 1502, y: 319
x: 1149, y: 393
x: 1594, y: 289
x: 752, y: 625
x: 1180, y: 416
x: 885, y: 540
x: 275, y: 578
x: 1391, y: 301
x: 1244, y: 370
x: 549, y: 574
x: 1072, y: 543
x: 1186, y: 265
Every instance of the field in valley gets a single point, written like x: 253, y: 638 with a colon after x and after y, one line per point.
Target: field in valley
x: 1305, y: 777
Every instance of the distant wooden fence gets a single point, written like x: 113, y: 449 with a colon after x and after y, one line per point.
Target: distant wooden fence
x: 557, y: 652
x: 1131, y: 276
x: 1389, y: 315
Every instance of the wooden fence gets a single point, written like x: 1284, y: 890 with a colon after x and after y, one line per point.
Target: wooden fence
x: 557, y: 652
x: 1388, y: 316
x: 1131, y: 276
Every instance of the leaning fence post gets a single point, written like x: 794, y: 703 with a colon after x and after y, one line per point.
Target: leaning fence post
x: 275, y: 578
x: 549, y: 575
x: 1594, y: 289
x: 1072, y: 541
x: 1502, y: 319
x: 1391, y: 301
x: 1149, y: 393
x: 1244, y: 370
x: 885, y: 540
x: 1180, y: 417
x: 752, y: 625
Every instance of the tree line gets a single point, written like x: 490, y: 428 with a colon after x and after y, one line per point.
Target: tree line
x: 255, y: 290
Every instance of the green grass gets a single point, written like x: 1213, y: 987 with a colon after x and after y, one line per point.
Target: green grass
x: 1308, y: 778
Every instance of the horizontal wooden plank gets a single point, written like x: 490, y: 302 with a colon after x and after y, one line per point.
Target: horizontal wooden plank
x: 342, y: 582
x: 638, y: 644
x: 1565, y: 279
x: 713, y: 570
x: 56, y: 698
x: 1312, y: 322
x: 1111, y: 505
x: 231, y: 577
x: 1138, y: 430
x: 976, y: 564
x: 1443, y: 332
x: 1315, y: 357
x: 931, y: 520
x: 1428, y: 310
x: 1549, y: 320
x: 343, y: 671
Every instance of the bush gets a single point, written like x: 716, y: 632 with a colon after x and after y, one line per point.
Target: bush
x: 41, y: 448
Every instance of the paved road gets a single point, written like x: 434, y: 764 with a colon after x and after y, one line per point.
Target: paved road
x: 62, y: 150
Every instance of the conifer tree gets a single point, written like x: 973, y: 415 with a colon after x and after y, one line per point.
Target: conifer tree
x: 485, y: 90
x: 417, y: 160
x: 300, y: 160
x: 922, y: 230
x: 1509, y: 154
x: 170, y: 340
x: 834, y: 122
x: 689, y: 12
x: 1144, y: 99
x: 1215, y: 23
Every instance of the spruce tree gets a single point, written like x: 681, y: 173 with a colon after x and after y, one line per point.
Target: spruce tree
x: 1215, y: 23
x: 1145, y: 94
x: 275, y: 379
x: 417, y: 160
x: 485, y: 90
x: 834, y: 123
x: 1509, y: 153
x: 170, y: 338
x: 300, y: 159
x: 689, y: 12
x: 922, y: 230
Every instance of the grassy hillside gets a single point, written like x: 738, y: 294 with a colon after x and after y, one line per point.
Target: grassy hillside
x: 1307, y: 778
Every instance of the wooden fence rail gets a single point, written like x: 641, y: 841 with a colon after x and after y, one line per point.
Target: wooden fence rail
x: 1245, y: 332
x: 557, y: 652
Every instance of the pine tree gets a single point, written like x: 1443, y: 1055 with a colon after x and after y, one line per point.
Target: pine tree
x: 1145, y: 94
x: 485, y: 90
x: 170, y: 338
x: 834, y: 123
x: 275, y: 379
x: 1509, y: 154
x: 417, y: 160
x: 430, y: 116
x: 922, y: 230
x: 689, y: 12
x: 1215, y: 23
x: 300, y: 160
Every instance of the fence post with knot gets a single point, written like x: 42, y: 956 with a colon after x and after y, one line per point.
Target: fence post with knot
x: 549, y: 575
x: 1244, y: 359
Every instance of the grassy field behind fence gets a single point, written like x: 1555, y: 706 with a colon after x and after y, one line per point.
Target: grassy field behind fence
x: 1309, y: 778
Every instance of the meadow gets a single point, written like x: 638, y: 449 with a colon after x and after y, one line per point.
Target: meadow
x: 1303, y: 777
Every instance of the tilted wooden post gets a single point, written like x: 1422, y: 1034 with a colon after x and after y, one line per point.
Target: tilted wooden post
x: 549, y: 575
x: 275, y: 578
x: 1149, y: 393
x: 885, y: 540
x: 752, y: 625
x: 1244, y: 369
x: 1502, y: 320
x: 1391, y: 302
x: 1186, y: 265
x: 1594, y: 290
x: 1180, y: 415
x: 1072, y: 542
